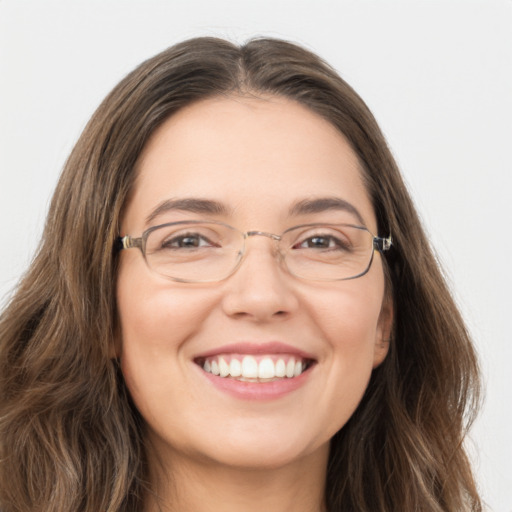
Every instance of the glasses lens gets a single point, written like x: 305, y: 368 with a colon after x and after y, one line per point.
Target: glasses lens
x: 328, y: 252
x: 193, y: 251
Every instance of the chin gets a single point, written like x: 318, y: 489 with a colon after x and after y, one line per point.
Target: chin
x: 256, y: 457
x: 259, y: 447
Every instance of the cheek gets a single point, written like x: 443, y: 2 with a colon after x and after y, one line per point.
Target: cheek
x: 348, y: 320
x: 155, y: 323
x: 351, y: 337
x: 155, y: 314
x: 349, y: 315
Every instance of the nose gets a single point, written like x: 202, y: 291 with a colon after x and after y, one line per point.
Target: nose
x: 261, y: 289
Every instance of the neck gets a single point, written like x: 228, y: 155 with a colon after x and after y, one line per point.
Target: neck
x: 185, y: 484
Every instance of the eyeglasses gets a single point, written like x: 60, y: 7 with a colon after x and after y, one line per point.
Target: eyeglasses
x: 198, y: 251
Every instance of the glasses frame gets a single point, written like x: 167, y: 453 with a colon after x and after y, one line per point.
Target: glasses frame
x: 380, y: 244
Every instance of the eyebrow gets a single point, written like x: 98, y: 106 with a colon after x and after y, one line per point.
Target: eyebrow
x: 211, y: 207
x: 323, y: 204
x: 192, y: 204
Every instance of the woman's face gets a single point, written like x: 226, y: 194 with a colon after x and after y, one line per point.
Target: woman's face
x: 258, y: 160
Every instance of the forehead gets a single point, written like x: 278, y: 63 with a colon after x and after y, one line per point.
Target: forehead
x: 255, y: 155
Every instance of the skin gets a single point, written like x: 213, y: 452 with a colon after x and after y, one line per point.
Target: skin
x: 257, y: 156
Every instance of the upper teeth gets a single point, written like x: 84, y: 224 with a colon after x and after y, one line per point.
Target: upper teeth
x: 249, y: 367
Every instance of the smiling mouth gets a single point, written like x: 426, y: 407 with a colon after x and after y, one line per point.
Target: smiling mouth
x: 261, y: 368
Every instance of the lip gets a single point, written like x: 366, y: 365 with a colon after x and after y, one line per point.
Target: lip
x: 251, y: 348
x: 257, y: 391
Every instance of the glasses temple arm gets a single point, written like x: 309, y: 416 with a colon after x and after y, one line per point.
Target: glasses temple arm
x: 127, y: 242
x: 382, y: 244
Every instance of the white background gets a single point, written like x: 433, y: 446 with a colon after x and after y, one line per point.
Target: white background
x: 437, y: 75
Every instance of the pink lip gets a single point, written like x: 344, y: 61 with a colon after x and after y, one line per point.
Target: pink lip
x: 256, y: 390
x: 249, y: 348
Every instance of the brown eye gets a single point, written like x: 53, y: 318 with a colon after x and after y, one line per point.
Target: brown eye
x: 322, y: 242
x: 188, y: 241
x: 318, y: 242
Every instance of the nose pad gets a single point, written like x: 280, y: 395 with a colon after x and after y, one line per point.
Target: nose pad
x: 276, y: 253
x: 275, y: 238
x: 260, y: 288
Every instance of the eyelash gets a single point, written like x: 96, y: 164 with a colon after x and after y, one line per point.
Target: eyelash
x: 334, y: 243
x: 338, y: 244
x: 168, y: 244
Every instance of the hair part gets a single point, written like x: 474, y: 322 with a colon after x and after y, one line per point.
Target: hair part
x: 70, y: 437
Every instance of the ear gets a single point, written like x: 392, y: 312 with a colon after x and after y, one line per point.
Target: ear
x: 384, y: 331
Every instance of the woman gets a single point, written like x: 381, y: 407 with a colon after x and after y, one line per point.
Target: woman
x: 234, y: 307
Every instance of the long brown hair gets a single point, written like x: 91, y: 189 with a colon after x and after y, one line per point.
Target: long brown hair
x: 70, y: 439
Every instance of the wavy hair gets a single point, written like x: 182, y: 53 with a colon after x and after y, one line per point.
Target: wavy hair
x: 70, y: 438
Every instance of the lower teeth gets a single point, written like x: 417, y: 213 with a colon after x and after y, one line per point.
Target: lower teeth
x: 248, y: 379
